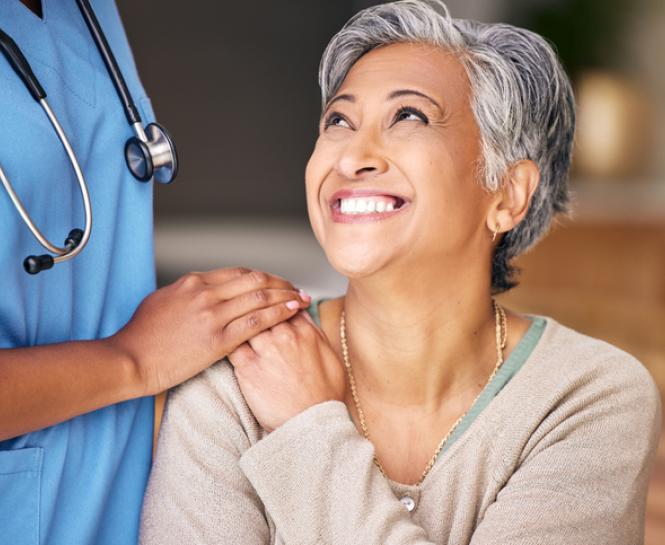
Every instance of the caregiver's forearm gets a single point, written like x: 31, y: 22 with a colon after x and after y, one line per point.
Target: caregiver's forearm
x: 175, y: 333
x: 44, y: 385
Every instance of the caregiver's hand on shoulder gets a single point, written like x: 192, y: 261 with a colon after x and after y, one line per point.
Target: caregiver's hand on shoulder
x: 183, y: 328
x: 287, y: 369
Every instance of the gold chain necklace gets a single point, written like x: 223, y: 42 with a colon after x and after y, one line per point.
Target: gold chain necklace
x: 501, y: 336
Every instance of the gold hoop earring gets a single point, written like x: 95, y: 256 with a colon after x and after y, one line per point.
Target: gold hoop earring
x: 495, y: 232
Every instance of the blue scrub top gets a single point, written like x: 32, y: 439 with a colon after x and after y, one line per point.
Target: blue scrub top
x: 82, y: 481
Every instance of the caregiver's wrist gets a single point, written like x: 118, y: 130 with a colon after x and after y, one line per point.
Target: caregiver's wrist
x: 133, y: 378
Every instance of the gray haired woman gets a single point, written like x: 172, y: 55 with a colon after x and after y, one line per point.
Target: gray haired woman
x: 415, y: 409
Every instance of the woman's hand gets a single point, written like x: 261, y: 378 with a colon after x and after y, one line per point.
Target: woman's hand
x: 287, y: 369
x: 181, y: 329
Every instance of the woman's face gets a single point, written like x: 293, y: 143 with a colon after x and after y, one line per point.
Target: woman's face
x: 392, y: 181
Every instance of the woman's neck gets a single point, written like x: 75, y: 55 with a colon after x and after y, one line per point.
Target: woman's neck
x: 418, y: 343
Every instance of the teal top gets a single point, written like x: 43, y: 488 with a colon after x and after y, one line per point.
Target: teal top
x: 507, y: 370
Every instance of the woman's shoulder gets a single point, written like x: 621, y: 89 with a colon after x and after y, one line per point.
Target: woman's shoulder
x: 578, y: 392
x: 572, y: 374
x: 213, y: 402
x: 566, y: 353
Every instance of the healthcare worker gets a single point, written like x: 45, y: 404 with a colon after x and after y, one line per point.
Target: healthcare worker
x: 78, y: 362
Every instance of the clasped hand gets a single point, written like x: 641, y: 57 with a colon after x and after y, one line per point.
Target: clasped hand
x: 179, y: 330
x: 287, y: 369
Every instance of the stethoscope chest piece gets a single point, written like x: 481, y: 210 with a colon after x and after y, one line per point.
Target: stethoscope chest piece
x: 152, y: 154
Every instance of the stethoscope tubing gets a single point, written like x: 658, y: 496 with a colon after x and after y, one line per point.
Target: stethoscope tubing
x: 61, y: 253
x: 98, y: 36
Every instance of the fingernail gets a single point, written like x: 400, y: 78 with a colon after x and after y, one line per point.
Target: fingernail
x: 292, y: 305
x: 305, y: 295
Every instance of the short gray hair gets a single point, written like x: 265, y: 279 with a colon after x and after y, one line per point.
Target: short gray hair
x: 522, y: 101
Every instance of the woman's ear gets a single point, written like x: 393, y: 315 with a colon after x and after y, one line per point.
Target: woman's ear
x: 511, y: 202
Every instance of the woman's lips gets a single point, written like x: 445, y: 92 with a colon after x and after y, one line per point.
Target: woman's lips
x: 361, y: 206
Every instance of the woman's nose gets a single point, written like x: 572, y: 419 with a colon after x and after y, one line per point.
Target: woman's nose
x: 362, y: 157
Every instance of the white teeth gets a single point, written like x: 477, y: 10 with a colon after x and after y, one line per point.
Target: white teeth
x: 365, y: 206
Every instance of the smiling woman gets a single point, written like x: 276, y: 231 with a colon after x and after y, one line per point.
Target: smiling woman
x: 415, y: 409
x: 401, y: 128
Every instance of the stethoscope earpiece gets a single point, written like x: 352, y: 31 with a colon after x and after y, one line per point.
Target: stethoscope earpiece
x: 34, y: 264
x: 73, y: 239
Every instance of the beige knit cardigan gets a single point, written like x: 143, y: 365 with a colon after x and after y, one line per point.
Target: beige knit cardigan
x: 561, y: 455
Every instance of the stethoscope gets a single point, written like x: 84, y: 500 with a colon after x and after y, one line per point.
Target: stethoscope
x: 149, y: 154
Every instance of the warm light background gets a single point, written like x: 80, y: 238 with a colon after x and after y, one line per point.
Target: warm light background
x: 235, y: 82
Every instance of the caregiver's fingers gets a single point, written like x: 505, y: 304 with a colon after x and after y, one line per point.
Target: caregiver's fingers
x: 246, y: 303
x: 243, y: 328
x: 222, y: 275
x: 243, y: 281
x: 229, y: 274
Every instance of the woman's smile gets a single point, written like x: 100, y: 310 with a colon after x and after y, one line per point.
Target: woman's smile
x: 366, y: 205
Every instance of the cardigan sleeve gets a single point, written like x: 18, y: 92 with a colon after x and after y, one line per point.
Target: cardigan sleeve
x: 197, y: 492
x: 317, y: 479
x: 584, y: 474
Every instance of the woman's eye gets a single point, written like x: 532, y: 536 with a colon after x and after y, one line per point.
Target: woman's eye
x: 410, y: 114
x: 335, y: 120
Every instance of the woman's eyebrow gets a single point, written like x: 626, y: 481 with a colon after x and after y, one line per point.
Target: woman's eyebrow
x: 406, y: 92
x: 349, y: 98
x: 393, y: 95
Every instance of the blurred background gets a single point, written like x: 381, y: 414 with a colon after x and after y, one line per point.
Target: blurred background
x: 236, y: 83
